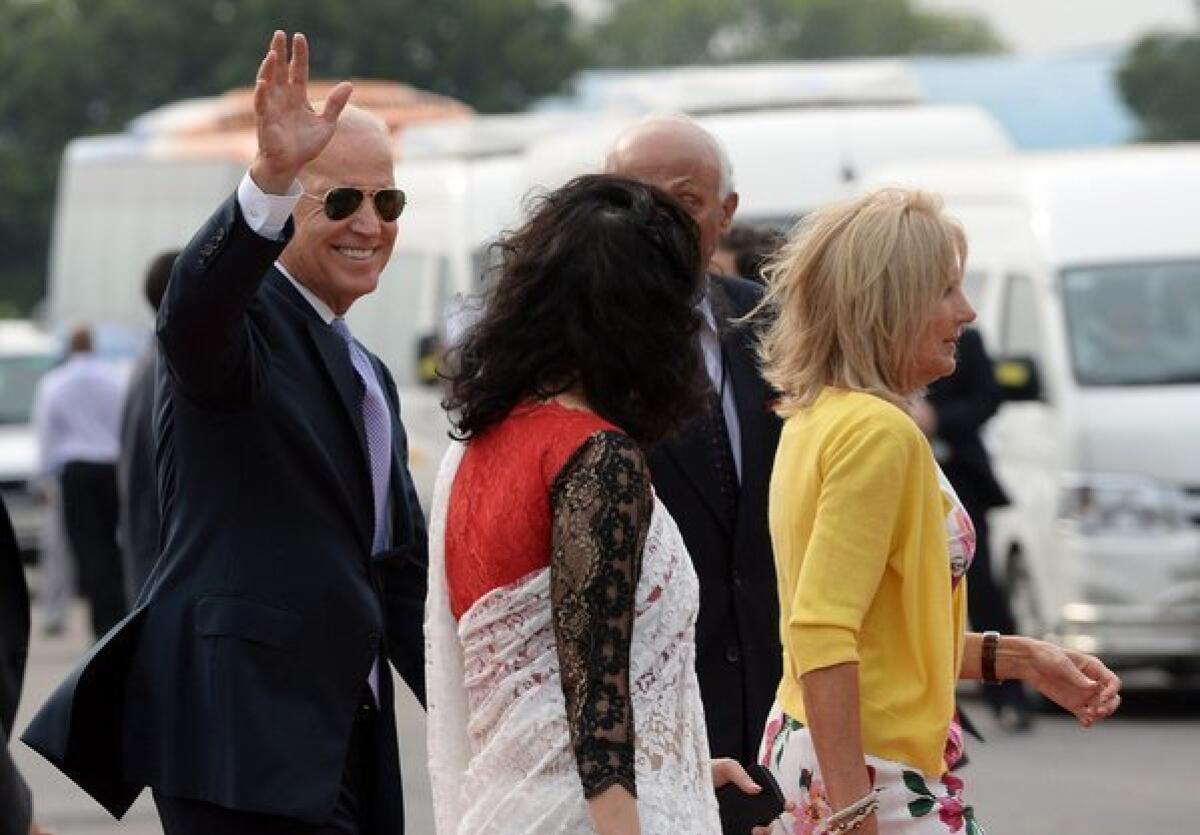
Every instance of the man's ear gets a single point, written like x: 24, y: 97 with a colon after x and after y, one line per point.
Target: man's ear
x: 728, y: 207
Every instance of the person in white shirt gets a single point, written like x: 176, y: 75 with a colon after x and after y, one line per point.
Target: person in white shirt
x: 77, y: 419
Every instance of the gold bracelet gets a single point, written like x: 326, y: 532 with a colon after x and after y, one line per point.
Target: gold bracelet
x: 853, y: 816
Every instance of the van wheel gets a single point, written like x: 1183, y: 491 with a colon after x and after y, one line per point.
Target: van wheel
x: 1022, y: 600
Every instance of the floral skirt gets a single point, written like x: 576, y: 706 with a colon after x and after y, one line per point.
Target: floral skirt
x: 908, y: 803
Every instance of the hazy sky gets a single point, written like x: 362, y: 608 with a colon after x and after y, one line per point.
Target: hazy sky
x: 1048, y: 25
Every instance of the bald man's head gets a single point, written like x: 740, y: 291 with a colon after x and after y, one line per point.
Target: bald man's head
x: 79, y: 340
x: 687, y: 162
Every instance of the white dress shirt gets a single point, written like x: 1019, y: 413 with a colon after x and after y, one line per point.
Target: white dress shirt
x: 77, y: 413
x: 718, y: 373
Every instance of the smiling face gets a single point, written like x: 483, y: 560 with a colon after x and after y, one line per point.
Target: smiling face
x: 937, y: 341
x: 683, y: 161
x: 340, y: 260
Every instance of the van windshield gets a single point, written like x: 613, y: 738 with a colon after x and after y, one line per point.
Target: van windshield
x: 1134, y: 324
x: 19, y: 375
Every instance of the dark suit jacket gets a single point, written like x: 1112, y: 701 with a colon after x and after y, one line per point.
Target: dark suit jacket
x: 15, y: 804
x: 136, y: 479
x: 964, y: 402
x: 737, y: 635
x: 237, y: 677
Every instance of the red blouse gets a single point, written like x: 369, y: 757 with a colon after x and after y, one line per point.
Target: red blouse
x: 498, y: 526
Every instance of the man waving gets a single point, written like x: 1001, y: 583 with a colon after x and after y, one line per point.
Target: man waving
x: 249, y: 686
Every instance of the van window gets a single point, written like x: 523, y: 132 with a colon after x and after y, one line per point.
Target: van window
x: 1134, y: 324
x: 1021, y: 329
x: 19, y: 375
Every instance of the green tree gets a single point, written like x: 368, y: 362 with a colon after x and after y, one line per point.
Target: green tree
x: 667, y: 32
x: 1160, y: 81
x: 81, y: 67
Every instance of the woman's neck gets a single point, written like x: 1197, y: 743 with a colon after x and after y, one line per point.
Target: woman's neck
x: 573, y: 398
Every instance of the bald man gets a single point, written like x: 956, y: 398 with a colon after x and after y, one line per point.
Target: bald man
x: 714, y: 478
x: 249, y: 688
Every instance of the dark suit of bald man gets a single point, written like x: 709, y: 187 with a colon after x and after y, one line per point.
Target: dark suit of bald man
x: 738, y: 656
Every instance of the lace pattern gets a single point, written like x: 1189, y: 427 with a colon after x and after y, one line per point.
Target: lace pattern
x: 601, y: 505
x: 501, y: 757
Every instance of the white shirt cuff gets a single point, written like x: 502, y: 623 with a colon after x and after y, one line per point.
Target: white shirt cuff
x: 266, y: 214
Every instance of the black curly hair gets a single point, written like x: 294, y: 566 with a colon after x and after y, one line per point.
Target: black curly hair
x: 597, y: 290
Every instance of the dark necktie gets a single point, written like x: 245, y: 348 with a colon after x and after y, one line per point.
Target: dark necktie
x: 377, y: 427
x: 722, y: 449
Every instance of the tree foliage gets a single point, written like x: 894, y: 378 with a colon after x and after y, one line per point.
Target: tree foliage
x: 1160, y: 81
x: 79, y: 67
x: 667, y: 32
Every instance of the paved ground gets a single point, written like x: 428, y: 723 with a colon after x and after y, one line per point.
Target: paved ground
x: 1135, y: 776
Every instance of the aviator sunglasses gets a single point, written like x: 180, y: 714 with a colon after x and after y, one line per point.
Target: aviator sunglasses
x: 343, y: 201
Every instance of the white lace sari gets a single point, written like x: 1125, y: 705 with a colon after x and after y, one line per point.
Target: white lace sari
x: 500, y: 753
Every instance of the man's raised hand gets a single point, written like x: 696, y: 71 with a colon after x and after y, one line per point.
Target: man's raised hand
x: 290, y: 132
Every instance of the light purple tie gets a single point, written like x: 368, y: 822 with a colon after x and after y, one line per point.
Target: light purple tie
x: 377, y: 426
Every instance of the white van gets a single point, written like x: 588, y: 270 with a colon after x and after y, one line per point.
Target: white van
x: 26, y: 353
x: 1085, y: 269
x: 789, y: 160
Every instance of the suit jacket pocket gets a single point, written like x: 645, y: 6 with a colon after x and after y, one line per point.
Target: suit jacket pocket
x: 240, y: 617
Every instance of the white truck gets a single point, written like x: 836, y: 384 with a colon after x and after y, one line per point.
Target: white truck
x: 26, y: 353
x: 1085, y: 269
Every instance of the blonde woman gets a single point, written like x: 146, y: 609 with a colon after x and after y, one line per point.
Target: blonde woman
x: 871, y: 543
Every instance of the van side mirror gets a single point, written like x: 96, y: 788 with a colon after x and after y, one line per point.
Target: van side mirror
x: 1018, y: 379
x: 429, y: 357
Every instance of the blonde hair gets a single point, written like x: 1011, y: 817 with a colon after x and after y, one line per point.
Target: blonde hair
x: 850, y: 291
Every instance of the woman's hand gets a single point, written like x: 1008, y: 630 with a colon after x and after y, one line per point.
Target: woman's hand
x: 726, y: 771
x: 1073, y: 680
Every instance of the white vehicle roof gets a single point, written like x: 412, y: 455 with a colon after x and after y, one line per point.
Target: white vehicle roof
x: 484, y: 135
x: 1122, y: 204
x: 785, y: 162
x: 22, y: 337
x: 779, y: 84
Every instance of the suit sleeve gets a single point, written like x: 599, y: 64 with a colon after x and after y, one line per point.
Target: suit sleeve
x: 202, y: 323
x: 404, y: 576
x: 964, y: 411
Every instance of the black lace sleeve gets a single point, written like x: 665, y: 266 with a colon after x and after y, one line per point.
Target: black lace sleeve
x: 601, y: 504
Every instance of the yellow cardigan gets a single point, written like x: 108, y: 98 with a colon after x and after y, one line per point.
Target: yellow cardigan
x: 858, y: 526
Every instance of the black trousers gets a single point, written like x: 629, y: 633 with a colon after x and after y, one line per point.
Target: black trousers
x: 353, y: 814
x: 90, y: 509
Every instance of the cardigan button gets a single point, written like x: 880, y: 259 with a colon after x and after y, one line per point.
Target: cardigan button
x: 732, y: 654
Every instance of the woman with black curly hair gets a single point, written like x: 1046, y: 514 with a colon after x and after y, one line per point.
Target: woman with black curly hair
x: 560, y: 659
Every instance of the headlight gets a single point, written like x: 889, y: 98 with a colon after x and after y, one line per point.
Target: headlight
x: 1121, y: 503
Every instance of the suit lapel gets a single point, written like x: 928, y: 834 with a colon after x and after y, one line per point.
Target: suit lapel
x: 693, y: 456
x: 749, y: 396
x: 692, y: 453
x: 335, y: 359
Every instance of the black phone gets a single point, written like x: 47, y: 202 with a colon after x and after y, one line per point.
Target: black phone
x: 741, y: 812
